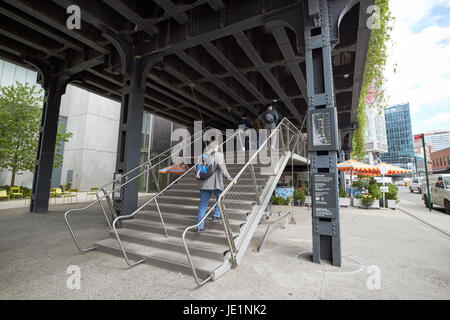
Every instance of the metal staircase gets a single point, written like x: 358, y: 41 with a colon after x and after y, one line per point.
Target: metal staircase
x: 160, y: 233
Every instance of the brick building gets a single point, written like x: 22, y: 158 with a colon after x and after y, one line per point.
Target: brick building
x: 441, y: 161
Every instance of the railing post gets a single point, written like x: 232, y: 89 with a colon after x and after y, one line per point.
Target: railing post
x: 103, y: 210
x: 154, y: 178
x: 283, y: 146
x: 258, y: 200
x: 228, y: 232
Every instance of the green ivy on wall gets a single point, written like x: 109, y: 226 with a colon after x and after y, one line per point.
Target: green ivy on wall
x: 373, y: 81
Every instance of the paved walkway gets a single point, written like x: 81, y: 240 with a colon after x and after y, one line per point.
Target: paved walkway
x: 411, y: 259
x: 413, y: 205
x: 81, y: 198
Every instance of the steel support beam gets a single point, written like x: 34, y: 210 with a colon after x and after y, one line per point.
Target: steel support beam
x: 223, y: 117
x: 216, y: 5
x: 217, y: 82
x: 34, y: 8
x: 129, y: 144
x: 227, y: 65
x: 173, y: 10
x: 323, y: 138
x: 54, y: 89
x: 289, y: 56
x: 254, y: 56
x: 130, y: 14
x: 134, y: 75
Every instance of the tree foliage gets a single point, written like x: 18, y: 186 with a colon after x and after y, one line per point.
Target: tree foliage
x: 374, y: 80
x: 20, y: 114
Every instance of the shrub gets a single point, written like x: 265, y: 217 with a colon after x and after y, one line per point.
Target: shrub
x: 360, y: 184
x: 280, y: 201
x: 374, y: 190
x: 393, y: 193
x: 368, y: 200
x: 342, y: 193
x: 300, y: 195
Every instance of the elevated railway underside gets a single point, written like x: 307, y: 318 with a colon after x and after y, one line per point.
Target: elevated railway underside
x: 187, y: 60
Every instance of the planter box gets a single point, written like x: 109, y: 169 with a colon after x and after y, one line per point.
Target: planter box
x: 308, y: 200
x: 344, y: 202
x: 376, y: 204
x: 357, y: 203
x: 392, y: 204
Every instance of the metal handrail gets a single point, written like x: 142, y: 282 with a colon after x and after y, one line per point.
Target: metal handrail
x: 127, y: 217
x: 148, y: 162
x: 107, y: 194
x: 284, y: 122
x: 271, y: 225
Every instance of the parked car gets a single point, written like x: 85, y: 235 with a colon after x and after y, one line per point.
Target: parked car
x: 416, y: 185
x: 439, y: 191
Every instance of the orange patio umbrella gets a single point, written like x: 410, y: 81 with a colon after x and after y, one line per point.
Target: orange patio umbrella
x: 175, y: 168
x: 358, y: 168
x: 389, y: 170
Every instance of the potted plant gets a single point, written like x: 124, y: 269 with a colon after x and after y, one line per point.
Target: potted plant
x: 344, y: 201
x: 279, y: 201
x: 392, y: 197
x: 296, y: 198
x: 374, y: 190
x: 300, y: 197
x: 368, y: 200
x: 357, y: 201
x: 289, y: 201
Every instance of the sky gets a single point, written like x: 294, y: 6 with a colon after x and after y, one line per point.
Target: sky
x: 421, y: 50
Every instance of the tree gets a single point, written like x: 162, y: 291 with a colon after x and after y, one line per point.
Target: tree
x: 20, y: 114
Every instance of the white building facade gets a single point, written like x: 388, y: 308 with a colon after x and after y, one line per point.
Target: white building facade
x: 375, y: 135
x: 439, y: 140
x: 90, y: 155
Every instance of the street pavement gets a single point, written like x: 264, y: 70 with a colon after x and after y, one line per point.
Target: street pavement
x: 412, y: 204
x: 386, y: 254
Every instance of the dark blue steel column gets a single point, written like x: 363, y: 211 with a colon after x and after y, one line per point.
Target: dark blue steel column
x: 54, y: 89
x: 129, y: 142
x: 323, y: 138
x: 130, y: 133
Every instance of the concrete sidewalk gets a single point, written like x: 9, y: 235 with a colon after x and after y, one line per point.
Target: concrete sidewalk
x: 413, y: 205
x: 53, y: 203
x: 411, y: 259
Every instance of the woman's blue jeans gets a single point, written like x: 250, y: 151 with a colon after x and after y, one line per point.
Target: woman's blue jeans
x: 205, y: 195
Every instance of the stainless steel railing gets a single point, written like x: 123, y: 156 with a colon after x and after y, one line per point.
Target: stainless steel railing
x: 285, y: 138
x: 154, y: 198
x: 129, y: 177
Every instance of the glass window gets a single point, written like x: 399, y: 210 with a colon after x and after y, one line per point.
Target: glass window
x: 440, y: 183
x: 447, y: 182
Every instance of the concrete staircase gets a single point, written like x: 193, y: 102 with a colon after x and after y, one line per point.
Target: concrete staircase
x: 144, y: 237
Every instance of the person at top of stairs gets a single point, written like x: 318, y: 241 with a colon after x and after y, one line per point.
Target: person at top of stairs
x: 214, y: 184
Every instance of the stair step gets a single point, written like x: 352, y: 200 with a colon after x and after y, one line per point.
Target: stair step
x: 196, y: 193
x: 192, y: 210
x: 201, y: 249
x: 243, y: 205
x: 194, y: 186
x: 170, y: 260
x: 246, y: 180
x: 175, y: 230
x: 187, y: 220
